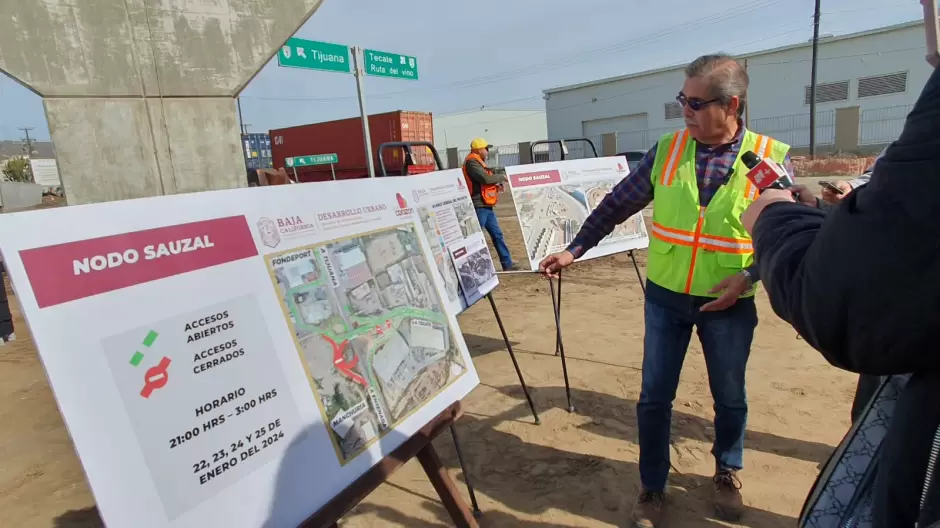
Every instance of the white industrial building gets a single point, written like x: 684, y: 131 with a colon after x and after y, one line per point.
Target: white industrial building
x: 867, y: 83
x: 499, y: 127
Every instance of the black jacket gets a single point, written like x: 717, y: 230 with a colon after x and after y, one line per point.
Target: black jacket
x: 861, y: 284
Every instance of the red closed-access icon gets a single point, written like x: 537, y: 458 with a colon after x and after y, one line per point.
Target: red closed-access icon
x: 156, y: 377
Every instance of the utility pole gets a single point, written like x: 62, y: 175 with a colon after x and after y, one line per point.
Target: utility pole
x: 812, y: 85
x: 359, y: 73
x: 28, y: 140
x: 241, y: 123
x: 747, y: 112
x: 29, y: 153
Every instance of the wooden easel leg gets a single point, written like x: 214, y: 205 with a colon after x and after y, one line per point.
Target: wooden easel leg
x: 446, y: 489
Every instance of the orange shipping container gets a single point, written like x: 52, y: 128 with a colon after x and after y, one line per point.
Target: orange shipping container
x: 344, y: 138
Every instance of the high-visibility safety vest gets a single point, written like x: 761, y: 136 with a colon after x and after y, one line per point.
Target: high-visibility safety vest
x: 693, y: 248
x: 489, y: 193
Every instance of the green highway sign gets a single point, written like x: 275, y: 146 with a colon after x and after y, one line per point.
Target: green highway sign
x: 313, y: 159
x: 313, y: 55
x: 385, y: 64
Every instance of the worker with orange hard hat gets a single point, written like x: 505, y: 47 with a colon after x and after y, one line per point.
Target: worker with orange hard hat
x: 485, y: 184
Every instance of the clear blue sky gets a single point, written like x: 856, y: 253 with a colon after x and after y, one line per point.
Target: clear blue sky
x: 503, y: 53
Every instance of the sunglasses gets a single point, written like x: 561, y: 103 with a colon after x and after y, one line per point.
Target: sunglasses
x: 694, y: 103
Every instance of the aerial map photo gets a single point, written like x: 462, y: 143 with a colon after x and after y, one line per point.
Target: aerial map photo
x: 550, y: 217
x: 632, y: 228
x: 371, y: 329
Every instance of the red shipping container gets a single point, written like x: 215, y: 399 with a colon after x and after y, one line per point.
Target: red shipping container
x: 344, y: 138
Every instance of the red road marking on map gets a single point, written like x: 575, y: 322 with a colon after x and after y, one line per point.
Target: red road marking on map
x: 345, y: 367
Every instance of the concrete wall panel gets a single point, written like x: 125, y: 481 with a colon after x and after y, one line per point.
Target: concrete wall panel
x: 150, y: 47
x: 104, y: 149
x: 68, y: 48
x: 200, y: 148
x: 19, y: 195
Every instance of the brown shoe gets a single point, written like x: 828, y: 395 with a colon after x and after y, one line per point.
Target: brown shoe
x: 729, y: 506
x: 648, y: 509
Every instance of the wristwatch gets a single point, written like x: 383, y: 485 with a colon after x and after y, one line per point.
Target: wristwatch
x: 748, y: 276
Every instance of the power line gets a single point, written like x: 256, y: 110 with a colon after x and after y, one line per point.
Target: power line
x: 862, y: 9
x: 836, y: 57
x: 660, y: 86
x: 577, y: 58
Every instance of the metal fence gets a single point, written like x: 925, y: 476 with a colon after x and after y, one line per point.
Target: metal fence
x: 575, y: 150
x: 876, y: 127
x: 643, y: 139
x: 882, y: 125
x: 500, y: 155
x: 794, y: 130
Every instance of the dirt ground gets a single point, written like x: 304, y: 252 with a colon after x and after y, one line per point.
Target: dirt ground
x: 576, y: 469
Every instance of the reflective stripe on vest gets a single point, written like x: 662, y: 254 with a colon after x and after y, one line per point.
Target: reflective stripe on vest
x: 698, y: 265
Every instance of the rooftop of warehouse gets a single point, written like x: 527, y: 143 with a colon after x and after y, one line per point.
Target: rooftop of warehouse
x: 826, y: 40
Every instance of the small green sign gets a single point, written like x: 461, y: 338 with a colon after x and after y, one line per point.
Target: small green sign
x: 313, y: 159
x: 313, y: 55
x: 385, y: 64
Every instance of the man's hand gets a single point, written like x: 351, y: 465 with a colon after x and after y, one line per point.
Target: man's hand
x: 767, y: 197
x: 831, y: 197
x: 552, y: 264
x: 803, y: 194
x: 732, y: 288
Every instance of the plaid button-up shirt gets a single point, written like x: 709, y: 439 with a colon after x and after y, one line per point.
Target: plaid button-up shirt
x: 635, y: 192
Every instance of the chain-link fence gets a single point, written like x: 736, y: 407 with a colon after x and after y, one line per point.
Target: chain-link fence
x: 879, y: 126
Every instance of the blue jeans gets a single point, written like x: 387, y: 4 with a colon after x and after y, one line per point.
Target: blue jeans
x: 726, y: 342
x: 489, y: 222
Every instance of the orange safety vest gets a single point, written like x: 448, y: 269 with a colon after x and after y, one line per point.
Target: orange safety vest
x: 489, y: 193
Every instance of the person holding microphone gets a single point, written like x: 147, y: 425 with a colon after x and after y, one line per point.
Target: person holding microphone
x: 700, y: 271
x: 879, y: 313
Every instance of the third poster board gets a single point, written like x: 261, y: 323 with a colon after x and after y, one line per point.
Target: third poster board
x: 554, y: 199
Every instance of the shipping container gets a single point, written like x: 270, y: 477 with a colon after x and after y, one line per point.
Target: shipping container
x: 257, y: 147
x: 344, y: 138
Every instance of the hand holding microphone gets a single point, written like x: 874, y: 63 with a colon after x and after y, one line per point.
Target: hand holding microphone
x: 765, y: 173
x: 773, y: 183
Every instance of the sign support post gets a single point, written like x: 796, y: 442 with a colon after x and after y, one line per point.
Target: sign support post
x: 333, y: 171
x: 359, y: 73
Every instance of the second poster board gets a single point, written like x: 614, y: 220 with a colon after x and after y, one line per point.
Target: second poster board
x: 457, y: 243
x: 554, y: 199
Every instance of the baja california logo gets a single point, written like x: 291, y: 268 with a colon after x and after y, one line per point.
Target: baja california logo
x: 417, y: 194
x: 403, y: 209
x: 461, y: 185
x: 268, y: 231
x: 293, y: 225
x: 620, y: 168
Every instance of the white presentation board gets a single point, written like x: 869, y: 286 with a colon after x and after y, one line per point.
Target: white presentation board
x: 237, y: 358
x: 451, y: 224
x: 554, y: 199
x: 45, y: 172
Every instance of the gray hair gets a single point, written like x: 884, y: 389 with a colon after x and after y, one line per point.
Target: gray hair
x: 726, y: 78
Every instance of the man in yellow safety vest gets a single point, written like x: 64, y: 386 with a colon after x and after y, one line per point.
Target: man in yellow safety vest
x: 700, y: 271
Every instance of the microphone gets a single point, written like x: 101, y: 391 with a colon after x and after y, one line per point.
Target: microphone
x: 765, y: 173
